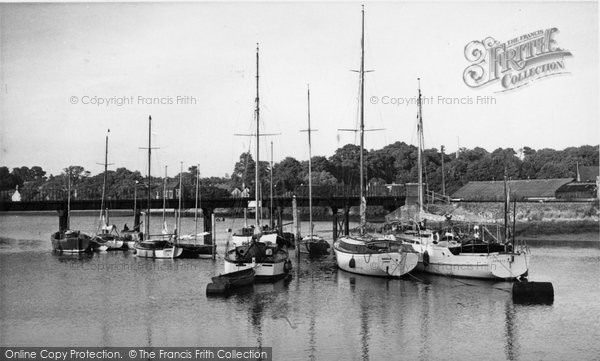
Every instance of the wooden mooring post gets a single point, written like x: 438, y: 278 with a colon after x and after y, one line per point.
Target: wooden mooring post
x: 346, y: 220
x: 296, y: 225
x: 334, y: 213
x: 207, y: 220
x: 213, y: 235
x: 279, y: 213
x: 136, y: 220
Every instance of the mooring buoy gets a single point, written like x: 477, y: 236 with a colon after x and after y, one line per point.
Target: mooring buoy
x: 217, y: 288
x: 533, y: 293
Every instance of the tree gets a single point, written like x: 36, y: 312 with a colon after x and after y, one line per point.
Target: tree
x: 320, y: 163
x: 287, y: 173
x: 7, y: 180
x: 345, y: 164
x: 77, y: 174
x: 243, y: 172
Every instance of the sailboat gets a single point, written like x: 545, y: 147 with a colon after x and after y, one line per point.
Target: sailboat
x: 269, y: 232
x: 314, y: 244
x: 192, y: 250
x: 160, y: 247
x: 450, y: 256
x: 107, y: 236
x: 67, y: 240
x: 132, y: 236
x: 371, y: 254
x: 268, y: 259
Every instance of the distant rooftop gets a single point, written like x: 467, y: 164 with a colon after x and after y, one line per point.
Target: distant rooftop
x: 519, y: 189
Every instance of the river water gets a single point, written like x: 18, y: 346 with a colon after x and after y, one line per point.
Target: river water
x: 116, y: 299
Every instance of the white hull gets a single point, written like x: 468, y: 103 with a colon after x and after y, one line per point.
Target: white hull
x: 390, y: 264
x: 262, y: 270
x: 73, y: 251
x: 114, y: 244
x: 171, y: 252
x: 493, y: 265
x: 102, y: 248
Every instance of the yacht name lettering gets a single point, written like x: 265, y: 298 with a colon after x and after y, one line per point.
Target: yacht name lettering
x: 516, y: 62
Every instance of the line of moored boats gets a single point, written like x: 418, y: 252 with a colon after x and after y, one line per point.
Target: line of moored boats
x: 257, y: 253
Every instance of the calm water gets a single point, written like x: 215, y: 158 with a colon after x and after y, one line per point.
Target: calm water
x: 116, y: 299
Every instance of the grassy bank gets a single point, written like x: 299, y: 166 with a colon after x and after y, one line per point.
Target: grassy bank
x: 576, y: 227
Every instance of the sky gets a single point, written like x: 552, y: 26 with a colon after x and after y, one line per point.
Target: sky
x: 71, y: 71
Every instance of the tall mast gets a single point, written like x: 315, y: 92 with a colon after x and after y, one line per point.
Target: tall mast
x: 180, y: 195
x: 363, y: 202
x: 257, y: 165
x: 443, y: 177
x: 104, y: 180
x: 149, y: 177
x: 196, y: 205
x: 164, y: 197
x: 272, y: 224
x: 419, y: 156
x: 310, y: 219
x: 69, y: 200
x: 506, y: 204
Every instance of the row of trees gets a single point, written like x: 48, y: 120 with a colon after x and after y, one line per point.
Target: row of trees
x: 397, y: 163
x: 394, y: 163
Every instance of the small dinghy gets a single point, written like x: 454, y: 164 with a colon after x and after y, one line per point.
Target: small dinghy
x: 230, y: 281
x: 315, y: 245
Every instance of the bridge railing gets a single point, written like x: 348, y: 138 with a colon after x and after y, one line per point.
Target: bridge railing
x: 38, y: 195
x: 342, y: 191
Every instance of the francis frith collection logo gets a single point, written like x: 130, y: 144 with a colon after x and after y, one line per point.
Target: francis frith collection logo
x: 516, y: 62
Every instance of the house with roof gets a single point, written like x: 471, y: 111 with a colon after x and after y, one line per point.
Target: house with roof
x: 172, y: 188
x: 585, y: 185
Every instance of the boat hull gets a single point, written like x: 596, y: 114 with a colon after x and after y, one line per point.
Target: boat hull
x: 169, y: 253
x: 263, y: 271
x: 130, y: 238
x: 268, y: 260
x: 496, y: 265
x: 106, y: 242
x: 157, y: 249
x: 389, y: 264
x: 74, y: 242
x: 316, y: 246
x: 196, y: 251
x: 236, y: 279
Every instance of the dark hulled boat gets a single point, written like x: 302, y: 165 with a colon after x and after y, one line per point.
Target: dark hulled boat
x: 230, y: 281
x: 71, y: 242
x: 315, y: 245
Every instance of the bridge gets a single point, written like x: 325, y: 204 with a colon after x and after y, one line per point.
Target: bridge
x: 323, y: 196
x: 338, y: 198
